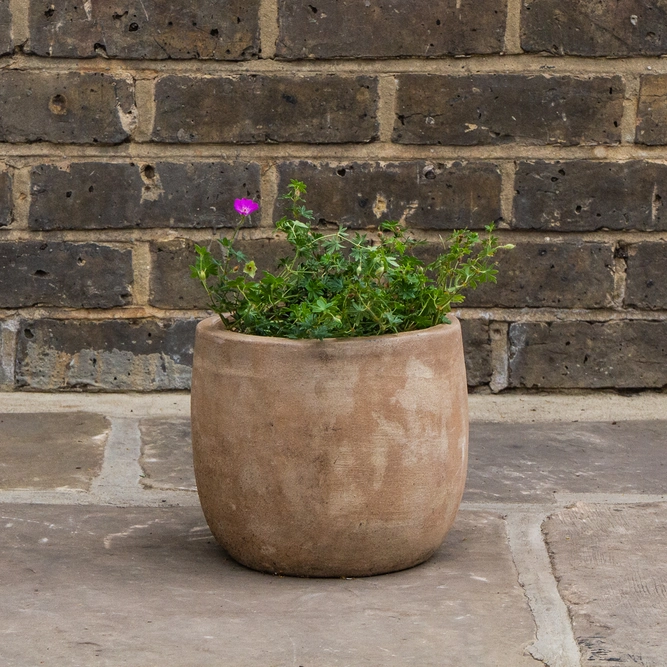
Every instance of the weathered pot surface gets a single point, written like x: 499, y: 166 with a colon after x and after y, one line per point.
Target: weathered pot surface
x: 340, y: 457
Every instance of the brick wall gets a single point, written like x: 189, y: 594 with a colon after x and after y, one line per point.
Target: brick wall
x: 128, y: 130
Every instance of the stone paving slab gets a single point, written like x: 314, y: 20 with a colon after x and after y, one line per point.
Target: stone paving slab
x: 51, y: 450
x: 508, y: 462
x: 83, y: 582
x: 166, y: 453
x: 531, y: 462
x: 611, y: 566
x: 137, y: 587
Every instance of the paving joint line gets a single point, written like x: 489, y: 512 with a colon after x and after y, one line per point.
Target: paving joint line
x: 140, y: 498
x: 154, y: 497
x: 500, y: 408
x: 121, y: 470
x: 562, y: 501
x: 567, y: 499
x: 555, y: 644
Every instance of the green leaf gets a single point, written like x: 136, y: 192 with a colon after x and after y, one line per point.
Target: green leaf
x: 320, y: 306
x: 341, y: 284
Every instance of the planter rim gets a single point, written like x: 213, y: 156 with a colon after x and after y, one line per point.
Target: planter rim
x: 213, y: 326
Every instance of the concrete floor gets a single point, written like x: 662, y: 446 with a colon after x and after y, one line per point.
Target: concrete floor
x: 557, y: 556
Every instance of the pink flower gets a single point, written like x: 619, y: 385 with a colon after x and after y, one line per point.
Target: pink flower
x: 245, y: 206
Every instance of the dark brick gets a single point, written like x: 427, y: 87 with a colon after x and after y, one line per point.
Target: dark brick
x: 646, y: 270
x: 505, y: 108
x: 426, y: 28
x: 64, y: 107
x: 260, y: 108
x: 107, y: 355
x: 171, y: 285
x: 421, y: 194
x: 76, y: 275
x: 594, y: 28
x: 652, y: 111
x: 6, y: 45
x: 152, y: 29
x: 565, y: 355
x: 586, y: 196
x: 5, y: 199
x: 547, y: 275
x: 99, y: 195
x: 558, y: 275
x: 8, y: 328
x: 477, y: 346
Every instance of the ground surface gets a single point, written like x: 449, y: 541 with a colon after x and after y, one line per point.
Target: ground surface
x: 556, y: 557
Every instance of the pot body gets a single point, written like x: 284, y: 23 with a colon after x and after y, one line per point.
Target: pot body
x: 339, y: 457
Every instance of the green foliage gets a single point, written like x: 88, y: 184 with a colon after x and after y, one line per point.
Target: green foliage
x: 341, y: 285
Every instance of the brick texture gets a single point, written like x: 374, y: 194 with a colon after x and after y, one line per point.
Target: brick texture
x: 421, y: 194
x: 171, y: 285
x: 257, y: 108
x: 427, y: 28
x: 99, y: 195
x: 581, y: 196
x: 127, y: 130
x: 646, y: 271
x: 75, y: 275
x: 550, y: 275
x: 652, y: 111
x: 154, y: 29
x: 5, y: 199
x: 90, y: 108
x: 6, y: 45
x: 110, y: 355
x: 136, y: 355
x: 594, y: 28
x: 566, y: 355
x: 503, y: 108
x: 477, y: 347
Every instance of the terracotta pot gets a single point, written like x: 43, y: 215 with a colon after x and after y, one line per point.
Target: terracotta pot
x: 340, y: 457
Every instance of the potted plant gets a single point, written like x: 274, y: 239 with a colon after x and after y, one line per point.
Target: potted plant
x: 329, y: 400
